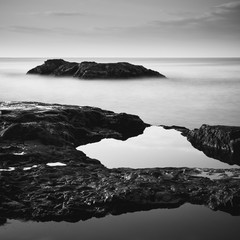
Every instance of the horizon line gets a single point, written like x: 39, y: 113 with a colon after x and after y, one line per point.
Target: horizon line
x: 164, y: 57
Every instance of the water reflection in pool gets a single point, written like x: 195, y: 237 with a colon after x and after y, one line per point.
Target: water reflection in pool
x: 156, y: 147
x: 186, y: 222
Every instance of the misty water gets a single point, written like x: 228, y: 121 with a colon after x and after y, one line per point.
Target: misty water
x: 196, y: 91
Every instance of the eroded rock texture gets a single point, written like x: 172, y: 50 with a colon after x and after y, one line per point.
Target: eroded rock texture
x: 93, y: 70
x: 35, y: 134
x: 220, y: 142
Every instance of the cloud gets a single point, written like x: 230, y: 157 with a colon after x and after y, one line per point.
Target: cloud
x: 182, y: 21
x: 229, y: 12
x: 227, y: 7
x: 48, y: 31
x: 222, y: 20
x: 60, y: 13
x: 27, y: 29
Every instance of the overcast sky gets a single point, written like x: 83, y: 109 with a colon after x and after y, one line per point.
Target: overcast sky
x: 119, y: 28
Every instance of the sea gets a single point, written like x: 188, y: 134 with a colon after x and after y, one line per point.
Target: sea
x: 196, y: 91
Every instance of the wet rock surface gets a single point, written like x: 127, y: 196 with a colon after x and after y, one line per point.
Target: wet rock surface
x: 77, y: 187
x: 219, y: 142
x: 93, y: 70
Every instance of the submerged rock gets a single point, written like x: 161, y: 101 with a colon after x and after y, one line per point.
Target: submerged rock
x: 77, y: 187
x: 93, y: 70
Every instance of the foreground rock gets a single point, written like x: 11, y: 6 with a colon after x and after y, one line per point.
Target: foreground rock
x: 93, y: 70
x: 43, y: 177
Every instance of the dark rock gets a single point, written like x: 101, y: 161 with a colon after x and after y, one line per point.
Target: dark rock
x: 48, y: 67
x: 3, y: 221
x: 34, y: 134
x: 93, y: 70
x: 220, y: 142
x: 65, y: 125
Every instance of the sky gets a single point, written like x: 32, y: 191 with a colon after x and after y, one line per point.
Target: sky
x: 119, y: 28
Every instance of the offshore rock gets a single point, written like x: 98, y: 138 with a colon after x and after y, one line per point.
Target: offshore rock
x: 220, y: 142
x: 43, y: 177
x: 93, y: 70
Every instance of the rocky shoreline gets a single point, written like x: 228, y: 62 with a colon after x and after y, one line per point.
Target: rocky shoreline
x: 93, y: 70
x: 43, y: 177
x: 219, y: 142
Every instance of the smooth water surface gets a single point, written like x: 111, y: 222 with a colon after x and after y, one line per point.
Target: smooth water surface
x: 188, y: 222
x: 156, y: 147
x: 196, y: 91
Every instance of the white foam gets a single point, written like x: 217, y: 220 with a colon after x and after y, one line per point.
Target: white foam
x: 217, y: 175
x: 56, y: 164
x: 7, y: 170
x: 21, y: 153
x: 28, y: 168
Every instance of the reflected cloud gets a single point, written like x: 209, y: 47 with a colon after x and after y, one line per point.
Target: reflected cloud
x: 157, y: 147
